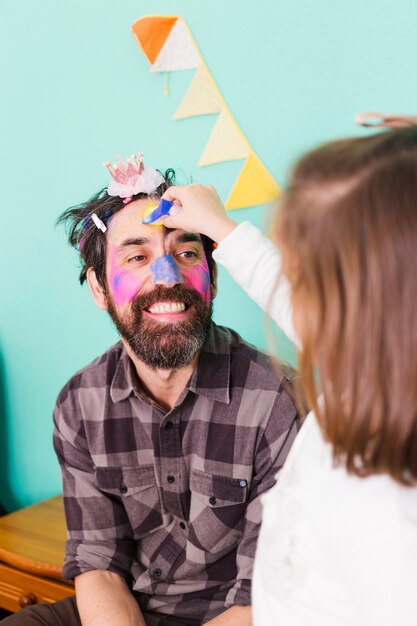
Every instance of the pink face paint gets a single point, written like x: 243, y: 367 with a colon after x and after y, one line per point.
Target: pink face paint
x: 198, y: 277
x: 124, y: 283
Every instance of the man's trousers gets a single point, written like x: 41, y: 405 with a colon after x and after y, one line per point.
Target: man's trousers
x: 65, y: 613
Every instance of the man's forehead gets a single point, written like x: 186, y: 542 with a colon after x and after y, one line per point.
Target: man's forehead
x: 129, y: 219
x: 126, y: 227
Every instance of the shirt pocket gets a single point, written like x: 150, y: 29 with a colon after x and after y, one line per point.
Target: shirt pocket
x: 138, y: 492
x: 218, y: 505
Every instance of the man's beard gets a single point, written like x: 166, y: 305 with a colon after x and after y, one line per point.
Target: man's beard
x: 164, y: 345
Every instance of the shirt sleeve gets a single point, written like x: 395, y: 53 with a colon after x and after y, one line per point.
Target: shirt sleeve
x: 274, y: 443
x: 99, y: 534
x: 254, y: 263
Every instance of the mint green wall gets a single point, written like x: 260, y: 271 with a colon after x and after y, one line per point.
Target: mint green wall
x: 76, y: 91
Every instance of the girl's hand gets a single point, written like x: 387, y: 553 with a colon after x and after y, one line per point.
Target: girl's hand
x: 198, y: 208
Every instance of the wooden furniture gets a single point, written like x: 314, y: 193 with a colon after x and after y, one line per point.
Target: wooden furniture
x: 31, y: 556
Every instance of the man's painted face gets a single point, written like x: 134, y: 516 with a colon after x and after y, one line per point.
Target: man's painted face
x: 141, y: 256
x: 159, y: 291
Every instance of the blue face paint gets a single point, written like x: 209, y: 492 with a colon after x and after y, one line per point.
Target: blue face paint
x: 162, y: 209
x: 165, y: 271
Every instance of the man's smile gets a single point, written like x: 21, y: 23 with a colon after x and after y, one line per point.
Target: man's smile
x: 168, y: 311
x: 167, y: 307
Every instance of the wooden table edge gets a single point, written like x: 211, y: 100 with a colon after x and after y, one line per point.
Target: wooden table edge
x: 33, y: 567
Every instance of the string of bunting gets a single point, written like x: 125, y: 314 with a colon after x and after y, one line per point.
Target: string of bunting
x: 169, y: 46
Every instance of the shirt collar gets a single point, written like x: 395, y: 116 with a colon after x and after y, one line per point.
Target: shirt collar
x: 210, y: 378
x: 123, y: 383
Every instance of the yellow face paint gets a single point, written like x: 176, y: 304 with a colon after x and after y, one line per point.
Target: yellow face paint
x: 149, y: 208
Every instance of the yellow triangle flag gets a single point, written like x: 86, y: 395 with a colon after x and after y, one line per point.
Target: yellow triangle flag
x: 226, y: 142
x: 254, y: 185
x: 202, y: 97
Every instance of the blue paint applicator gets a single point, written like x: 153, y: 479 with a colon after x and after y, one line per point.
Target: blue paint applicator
x: 162, y: 209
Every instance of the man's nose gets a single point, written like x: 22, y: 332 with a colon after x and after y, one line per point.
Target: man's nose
x: 165, y: 271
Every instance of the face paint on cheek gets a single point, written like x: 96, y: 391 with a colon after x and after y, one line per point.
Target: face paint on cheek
x: 198, y: 277
x: 125, y: 285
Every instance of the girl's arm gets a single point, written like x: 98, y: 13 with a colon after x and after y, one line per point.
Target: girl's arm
x: 255, y: 264
x: 250, y: 258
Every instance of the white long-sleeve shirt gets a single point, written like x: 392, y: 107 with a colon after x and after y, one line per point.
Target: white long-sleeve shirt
x: 334, y: 549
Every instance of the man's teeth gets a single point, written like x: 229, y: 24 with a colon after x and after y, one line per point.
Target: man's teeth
x: 167, y: 307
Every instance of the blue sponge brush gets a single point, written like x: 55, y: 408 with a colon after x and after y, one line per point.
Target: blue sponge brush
x: 162, y: 209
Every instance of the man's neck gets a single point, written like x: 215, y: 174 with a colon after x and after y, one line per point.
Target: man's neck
x: 161, y: 385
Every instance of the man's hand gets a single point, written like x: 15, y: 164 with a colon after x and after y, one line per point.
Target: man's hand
x: 104, y: 599
x: 235, y: 616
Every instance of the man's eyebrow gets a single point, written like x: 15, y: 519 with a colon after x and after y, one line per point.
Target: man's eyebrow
x: 187, y: 238
x: 135, y: 241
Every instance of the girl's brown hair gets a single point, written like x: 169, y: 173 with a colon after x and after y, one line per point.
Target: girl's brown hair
x: 347, y: 227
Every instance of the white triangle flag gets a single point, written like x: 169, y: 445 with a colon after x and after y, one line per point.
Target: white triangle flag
x: 179, y: 51
x: 202, y: 97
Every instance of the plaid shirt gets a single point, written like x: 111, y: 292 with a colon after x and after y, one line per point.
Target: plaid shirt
x: 171, y: 501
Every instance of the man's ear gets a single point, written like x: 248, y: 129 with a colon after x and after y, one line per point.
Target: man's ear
x: 214, y: 282
x: 97, y: 291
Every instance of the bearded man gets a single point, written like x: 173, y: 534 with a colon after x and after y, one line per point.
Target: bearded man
x: 168, y: 439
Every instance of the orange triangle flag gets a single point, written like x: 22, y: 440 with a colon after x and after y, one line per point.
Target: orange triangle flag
x: 152, y: 32
x: 254, y: 185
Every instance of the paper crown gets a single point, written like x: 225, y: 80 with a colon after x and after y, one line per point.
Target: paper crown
x: 132, y: 177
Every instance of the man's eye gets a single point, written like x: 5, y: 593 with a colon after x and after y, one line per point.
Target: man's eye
x: 188, y: 254
x: 137, y: 258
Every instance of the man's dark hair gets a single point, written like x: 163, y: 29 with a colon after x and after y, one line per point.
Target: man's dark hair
x: 90, y: 242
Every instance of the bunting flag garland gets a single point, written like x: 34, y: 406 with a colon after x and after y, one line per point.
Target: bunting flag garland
x: 169, y: 46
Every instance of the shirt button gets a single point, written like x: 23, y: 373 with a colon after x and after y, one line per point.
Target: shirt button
x: 171, y: 478
x: 157, y: 573
x: 242, y: 483
x: 169, y: 425
x: 182, y: 525
x: 212, y: 500
x: 123, y: 488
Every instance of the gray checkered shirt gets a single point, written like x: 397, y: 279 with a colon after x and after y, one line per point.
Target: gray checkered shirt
x: 171, y: 501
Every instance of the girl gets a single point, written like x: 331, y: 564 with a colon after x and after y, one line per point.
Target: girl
x: 338, y: 544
